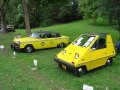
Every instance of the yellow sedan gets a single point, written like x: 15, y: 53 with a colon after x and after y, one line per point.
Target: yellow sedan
x: 40, y: 40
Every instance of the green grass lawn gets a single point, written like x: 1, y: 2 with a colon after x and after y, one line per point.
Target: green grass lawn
x: 16, y: 73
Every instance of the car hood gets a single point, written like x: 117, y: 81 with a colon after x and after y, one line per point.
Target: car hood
x: 71, y: 50
x: 25, y: 39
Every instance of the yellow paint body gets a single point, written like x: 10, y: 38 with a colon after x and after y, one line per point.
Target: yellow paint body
x: 89, y: 57
x: 41, y: 43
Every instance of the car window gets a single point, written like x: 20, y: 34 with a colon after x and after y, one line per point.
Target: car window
x: 58, y: 35
x: 53, y: 34
x: 42, y: 35
x: 84, y: 41
x: 100, y: 43
x: 35, y: 35
x: 49, y: 35
x: 87, y: 43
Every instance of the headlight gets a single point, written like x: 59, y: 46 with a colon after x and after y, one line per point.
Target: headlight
x: 76, y: 55
x: 18, y: 42
x: 63, y: 52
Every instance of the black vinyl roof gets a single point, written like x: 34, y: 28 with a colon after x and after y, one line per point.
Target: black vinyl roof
x: 41, y: 31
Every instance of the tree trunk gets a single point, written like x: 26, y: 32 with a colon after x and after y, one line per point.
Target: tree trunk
x: 2, y: 18
x: 26, y: 18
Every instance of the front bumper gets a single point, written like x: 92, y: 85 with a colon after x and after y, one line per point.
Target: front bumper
x: 15, y: 46
x: 62, y: 62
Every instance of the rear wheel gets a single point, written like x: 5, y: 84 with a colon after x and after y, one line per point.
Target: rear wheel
x: 61, y: 45
x: 109, y: 62
x: 29, y: 48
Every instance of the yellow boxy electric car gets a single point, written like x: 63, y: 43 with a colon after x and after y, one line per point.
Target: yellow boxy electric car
x: 87, y: 52
x: 40, y: 40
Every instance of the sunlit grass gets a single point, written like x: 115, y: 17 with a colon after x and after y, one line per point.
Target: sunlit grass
x: 17, y: 74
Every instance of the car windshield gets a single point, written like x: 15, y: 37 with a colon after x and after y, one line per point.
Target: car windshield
x: 84, y: 40
x: 34, y: 35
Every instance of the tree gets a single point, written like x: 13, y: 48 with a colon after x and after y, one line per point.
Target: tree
x: 26, y: 18
x: 7, y: 13
x: 2, y: 16
x: 40, y: 12
x: 105, y: 8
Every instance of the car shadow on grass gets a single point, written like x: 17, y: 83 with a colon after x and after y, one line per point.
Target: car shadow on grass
x: 38, y: 50
x: 71, y: 73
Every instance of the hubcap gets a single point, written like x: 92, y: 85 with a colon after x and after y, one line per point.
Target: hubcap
x: 61, y: 45
x: 108, y: 61
x: 80, y: 69
x: 29, y: 49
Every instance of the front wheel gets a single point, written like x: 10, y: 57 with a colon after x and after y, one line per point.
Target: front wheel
x: 80, y: 71
x: 29, y: 48
x: 59, y: 65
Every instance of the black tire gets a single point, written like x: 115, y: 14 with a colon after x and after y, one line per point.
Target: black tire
x: 61, y: 45
x: 29, y: 49
x: 109, y: 62
x: 59, y: 65
x: 80, y: 71
x: 76, y: 73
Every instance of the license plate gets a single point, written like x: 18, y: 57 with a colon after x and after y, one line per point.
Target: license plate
x: 64, y: 67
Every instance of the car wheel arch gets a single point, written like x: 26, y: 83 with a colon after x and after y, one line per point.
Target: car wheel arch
x: 29, y: 45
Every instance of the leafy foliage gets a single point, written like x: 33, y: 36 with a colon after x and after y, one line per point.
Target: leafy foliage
x: 42, y: 12
x: 108, y: 9
x: 94, y: 8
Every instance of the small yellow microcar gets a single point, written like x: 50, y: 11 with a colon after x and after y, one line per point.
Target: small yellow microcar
x: 87, y: 52
x: 40, y: 40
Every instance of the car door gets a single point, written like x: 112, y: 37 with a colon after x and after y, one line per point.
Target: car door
x: 43, y: 41
x: 98, y: 53
x: 53, y: 39
x: 58, y: 39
